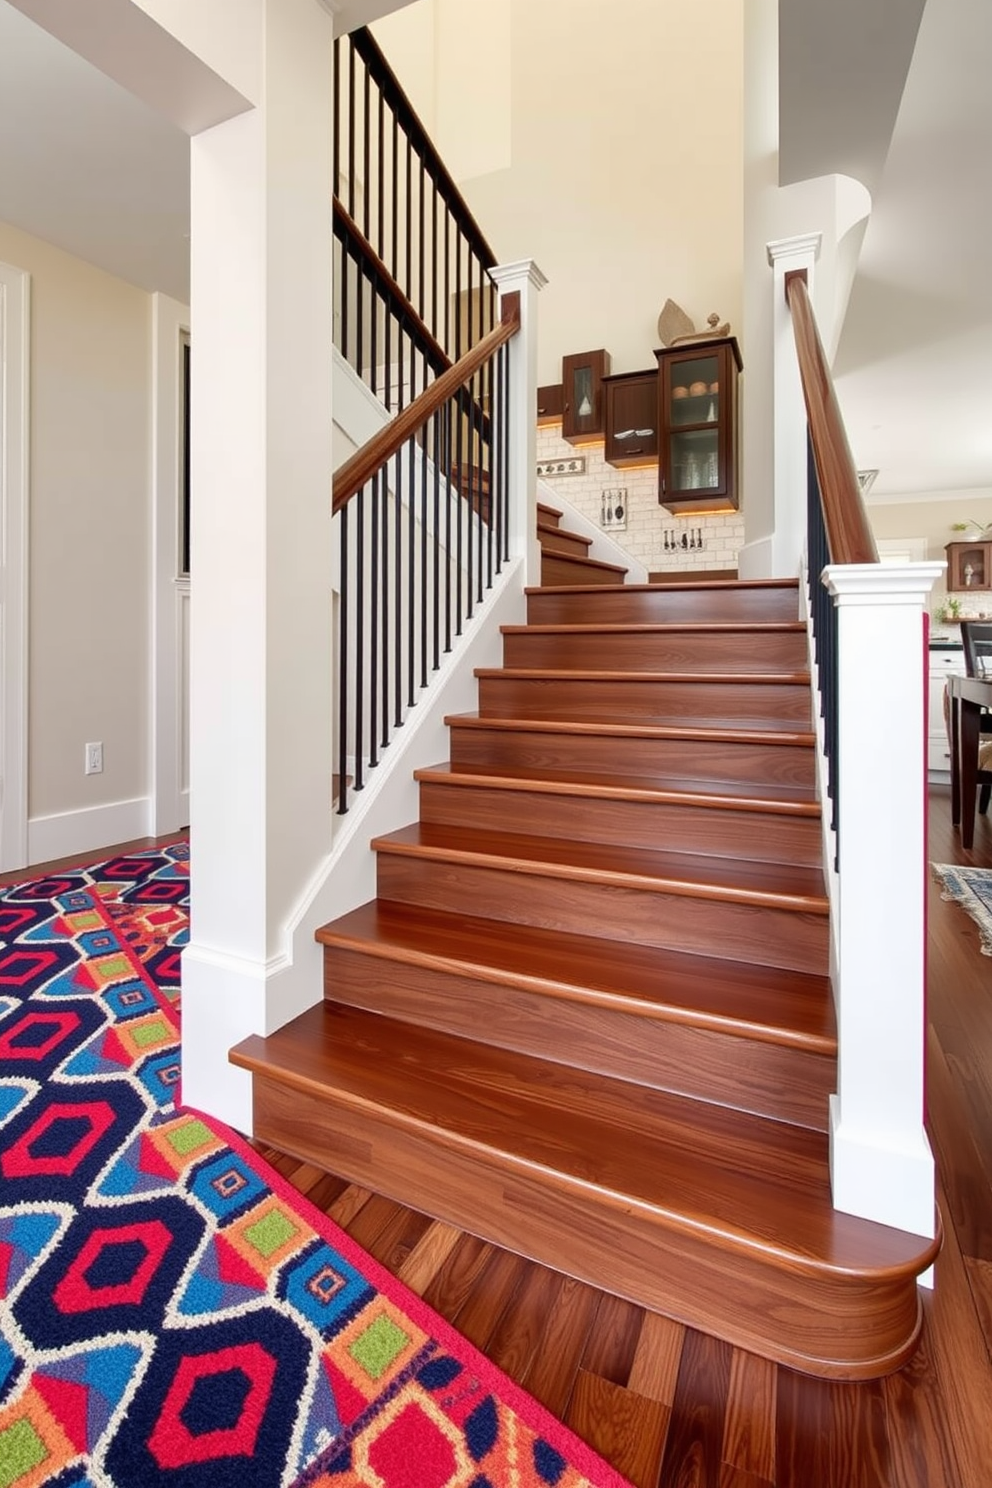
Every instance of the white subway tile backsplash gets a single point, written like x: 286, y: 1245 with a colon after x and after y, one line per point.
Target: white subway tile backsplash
x: 647, y: 522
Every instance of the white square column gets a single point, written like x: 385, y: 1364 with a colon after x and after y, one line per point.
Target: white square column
x: 260, y: 650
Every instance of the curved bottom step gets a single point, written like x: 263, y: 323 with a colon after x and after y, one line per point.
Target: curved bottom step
x: 718, y: 1219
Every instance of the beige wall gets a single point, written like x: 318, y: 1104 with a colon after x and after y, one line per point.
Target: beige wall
x: 89, y: 509
x: 625, y: 174
x: 930, y: 517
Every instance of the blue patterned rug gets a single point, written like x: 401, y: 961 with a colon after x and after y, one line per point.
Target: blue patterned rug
x: 172, y: 1313
x: 972, y: 889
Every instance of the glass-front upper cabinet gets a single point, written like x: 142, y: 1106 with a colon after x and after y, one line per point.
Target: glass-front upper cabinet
x: 583, y: 408
x: 697, y: 422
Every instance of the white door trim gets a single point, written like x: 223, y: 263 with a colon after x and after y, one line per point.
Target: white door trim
x: 169, y: 733
x: 14, y: 449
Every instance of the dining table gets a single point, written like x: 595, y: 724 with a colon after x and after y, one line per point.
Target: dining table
x: 968, y: 698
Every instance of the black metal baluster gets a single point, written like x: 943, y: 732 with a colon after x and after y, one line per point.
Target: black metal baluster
x: 345, y: 260
x: 384, y: 667
x: 449, y: 497
x: 351, y: 129
x: 447, y: 283
x: 374, y: 623
x: 412, y: 561
x: 394, y: 187
x: 398, y: 598
x: 423, y: 552
x: 505, y: 351
x: 422, y: 246
x: 381, y: 183
x: 434, y: 263
x: 360, y: 320
x: 359, y: 500
x: 409, y: 240
x: 367, y: 155
x: 496, y: 458
x: 436, y: 592
x: 460, y: 513
x: 487, y: 403
x: 343, y: 666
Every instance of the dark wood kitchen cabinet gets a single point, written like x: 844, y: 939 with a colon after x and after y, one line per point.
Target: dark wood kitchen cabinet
x: 549, y: 403
x: 632, y: 418
x: 969, y: 566
x: 583, y: 408
x: 697, y: 426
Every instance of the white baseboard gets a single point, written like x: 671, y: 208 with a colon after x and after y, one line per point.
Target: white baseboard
x: 67, y: 834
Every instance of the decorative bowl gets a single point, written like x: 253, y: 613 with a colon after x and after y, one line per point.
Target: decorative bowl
x: 680, y: 392
x: 697, y: 389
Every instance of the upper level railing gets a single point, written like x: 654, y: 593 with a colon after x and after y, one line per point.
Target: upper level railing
x: 838, y: 530
x: 424, y: 529
x: 412, y: 288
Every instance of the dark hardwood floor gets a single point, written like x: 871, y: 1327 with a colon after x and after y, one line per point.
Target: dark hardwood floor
x: 675, y: 1409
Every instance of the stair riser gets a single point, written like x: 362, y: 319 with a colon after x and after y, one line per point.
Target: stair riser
x: 548, y: 516
x: 630, y: 605
x: 729, y: 703
x: 846, y: 1328
x: 741, y: 932
x: 766, y: 837
x: 556, y: 568
x: 646, y: 652
x: 766, y: 1079
x: 561, y: 541
x: 695, y: 759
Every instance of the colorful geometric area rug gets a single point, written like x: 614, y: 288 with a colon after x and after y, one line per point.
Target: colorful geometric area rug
x: 172, y: 1313
x: 972, y: 889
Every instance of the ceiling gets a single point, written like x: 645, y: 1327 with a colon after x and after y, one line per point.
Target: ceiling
x: 90, y: 168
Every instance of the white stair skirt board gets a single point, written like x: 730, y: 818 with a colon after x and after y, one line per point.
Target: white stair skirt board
x: 68, y: 834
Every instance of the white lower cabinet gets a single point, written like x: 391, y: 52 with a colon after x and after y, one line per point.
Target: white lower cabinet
x: 943, y: 664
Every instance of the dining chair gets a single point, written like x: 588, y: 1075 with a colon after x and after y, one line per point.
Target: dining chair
x: 976, y: 639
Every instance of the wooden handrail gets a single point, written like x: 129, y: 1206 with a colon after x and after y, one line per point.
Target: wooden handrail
x: 364, y: 463
x: 849, y: 533
x: 384, y: 77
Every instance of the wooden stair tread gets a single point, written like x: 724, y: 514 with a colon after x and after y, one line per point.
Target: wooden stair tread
x: 550, y: 511
x: 727, y: 795
x: 772, y: 1005
x: 553, y: 531
x: 738, y: 1180
x: 758, y: 729
x: 547, y: 674
x: 728, y: 880
x: 581, y: 563
x: 717, y: 584
x: 765, y: 732
x: 726, y: 628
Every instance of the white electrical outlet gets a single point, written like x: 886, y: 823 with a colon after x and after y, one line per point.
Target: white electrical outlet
x: 94, y: 759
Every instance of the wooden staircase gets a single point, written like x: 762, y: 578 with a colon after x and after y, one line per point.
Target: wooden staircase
x: 588, y: 1016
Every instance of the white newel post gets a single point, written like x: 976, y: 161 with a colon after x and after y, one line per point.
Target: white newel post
x: 788, y: 255
x: 881, y: 1163
x: 526, y: 279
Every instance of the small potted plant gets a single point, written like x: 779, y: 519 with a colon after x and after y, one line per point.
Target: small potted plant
x: 950, y: 611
